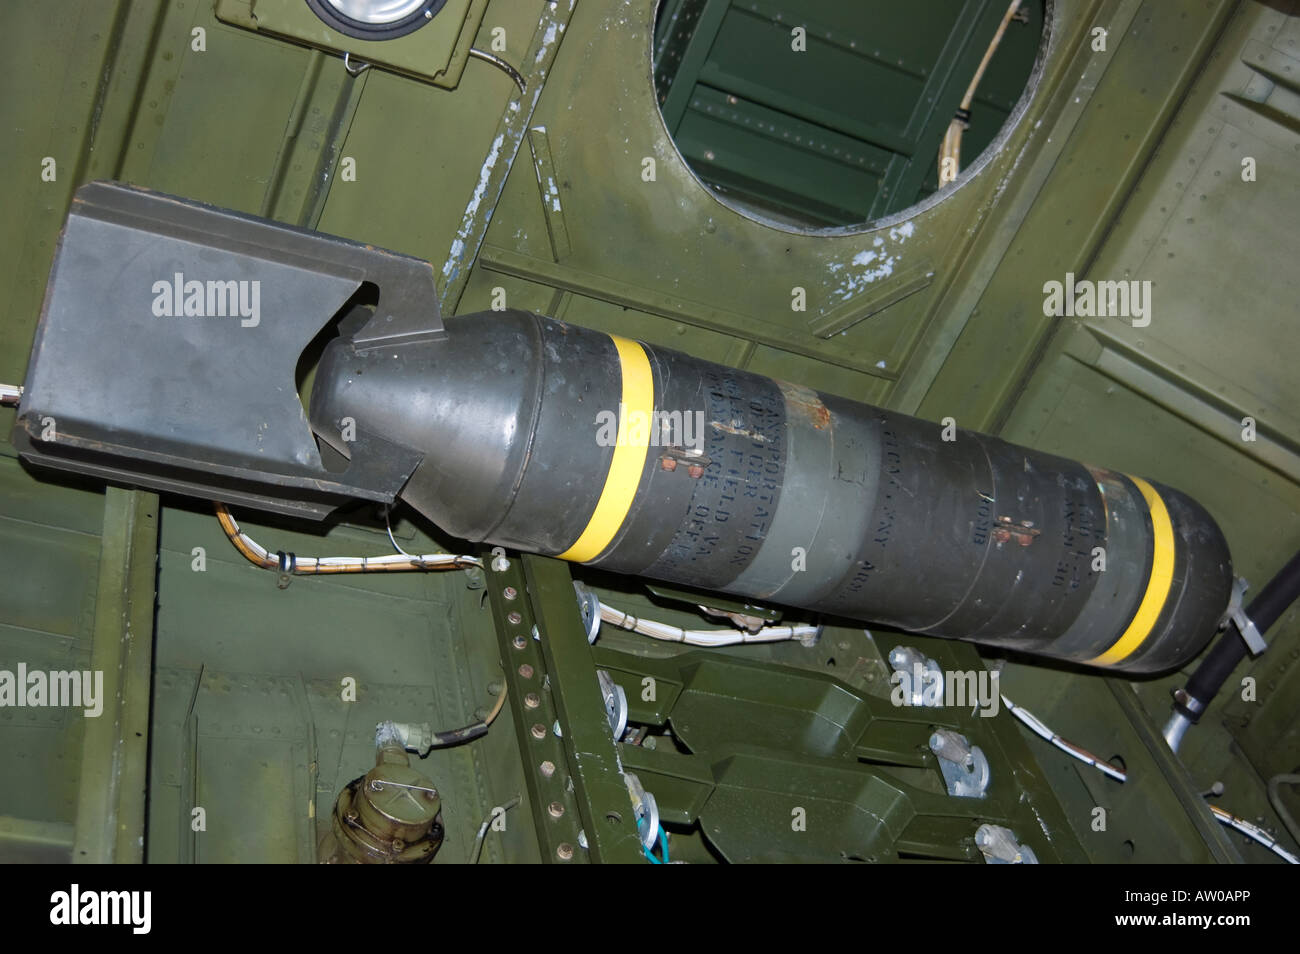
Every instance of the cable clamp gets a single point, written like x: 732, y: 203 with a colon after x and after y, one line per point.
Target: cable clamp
x: 1236, y: 614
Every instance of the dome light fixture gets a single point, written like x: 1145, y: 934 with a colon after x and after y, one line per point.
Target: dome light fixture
x: 376, y: 19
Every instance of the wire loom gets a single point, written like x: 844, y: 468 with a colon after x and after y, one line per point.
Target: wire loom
x: 295, y: 565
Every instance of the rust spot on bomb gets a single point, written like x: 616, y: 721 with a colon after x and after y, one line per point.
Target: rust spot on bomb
x: 813, y: 410
x: 1006, y: 530
x: 804, y: 403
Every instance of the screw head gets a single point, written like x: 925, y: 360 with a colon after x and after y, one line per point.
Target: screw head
x: 564, y: 852
x: 667, y: 463
x: 515, y: 619
x: 510, y: 593
x: 538, y: 731
x: 526, y: 671
x: 547, y: 768
x: 519, y: 642
x: 555, y: 810
x: 532, y: 700
x: 696, y: 471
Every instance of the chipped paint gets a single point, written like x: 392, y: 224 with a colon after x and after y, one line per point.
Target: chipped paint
x: 869, y: 265
x: 511, y: 131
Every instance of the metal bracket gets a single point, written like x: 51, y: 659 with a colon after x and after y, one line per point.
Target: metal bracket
x: 1000, y: 847
x: 1236, y: 614
x: 645, y: 809
x: 168, y: 345
x: 920, y: 673
x: 965, y: 767
x: 589, y: 607
x: 615, y: 703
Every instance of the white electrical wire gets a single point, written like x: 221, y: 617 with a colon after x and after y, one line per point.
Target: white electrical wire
x: 702, y: 637
x: 1255, y: 832
x: 292, y: 563
x: 1083, y: 755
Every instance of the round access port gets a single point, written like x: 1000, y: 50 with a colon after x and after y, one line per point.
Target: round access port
x: 821, y: 115
x: 376, y: 19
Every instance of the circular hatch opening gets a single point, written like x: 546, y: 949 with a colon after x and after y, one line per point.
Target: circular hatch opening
x: 821, y: 115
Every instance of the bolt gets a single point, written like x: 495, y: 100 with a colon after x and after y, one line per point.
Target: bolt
x: 564, y: 852
x: 538, y: 730
x: 555, y: 809
x: 696, y: 471
x: 668, y: 463
x: 515, y: 619
x: 398, y: 844
x: 532, y: 700
x: 519, y: 642
x: 548, y: 768
x: 510, y: 593
x: 526, y: 671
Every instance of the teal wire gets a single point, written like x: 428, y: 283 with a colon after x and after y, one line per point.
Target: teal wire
x: 663, y: 844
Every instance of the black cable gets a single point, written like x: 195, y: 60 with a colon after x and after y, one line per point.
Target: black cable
x: 1264, y: 610
x: 445, y: 740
